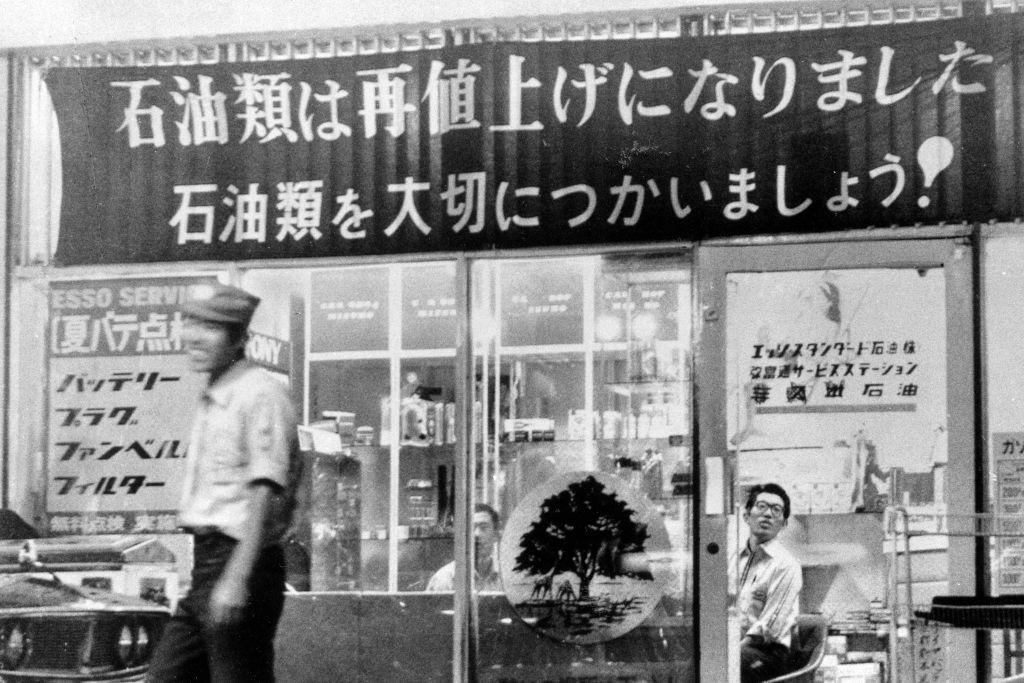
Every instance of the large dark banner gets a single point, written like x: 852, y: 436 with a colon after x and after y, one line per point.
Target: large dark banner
x: 550, y: 143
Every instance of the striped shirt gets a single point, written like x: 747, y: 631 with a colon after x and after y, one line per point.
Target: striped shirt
x: 769, y: 583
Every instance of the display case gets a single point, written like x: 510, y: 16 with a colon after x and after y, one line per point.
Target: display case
x: 588, y: 369
x: 381, y: 375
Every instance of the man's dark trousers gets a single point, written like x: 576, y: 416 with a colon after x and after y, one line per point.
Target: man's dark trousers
x: 762, y: 661
x: 194, y: 649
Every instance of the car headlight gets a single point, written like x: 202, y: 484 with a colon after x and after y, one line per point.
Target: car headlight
x: 141, y: 644
x: 125, y: 641
x: 15, y: 645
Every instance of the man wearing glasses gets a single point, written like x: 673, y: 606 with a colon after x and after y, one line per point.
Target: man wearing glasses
x: 769, y: 581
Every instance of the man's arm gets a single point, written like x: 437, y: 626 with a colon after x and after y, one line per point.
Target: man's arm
x: 231, y: 593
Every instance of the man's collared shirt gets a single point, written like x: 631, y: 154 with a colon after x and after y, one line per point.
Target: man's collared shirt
x: 244, y: 432
x: 444, y: 579
x: 769, y: 583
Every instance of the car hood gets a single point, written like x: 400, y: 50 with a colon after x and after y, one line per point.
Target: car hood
x: 46, y: 593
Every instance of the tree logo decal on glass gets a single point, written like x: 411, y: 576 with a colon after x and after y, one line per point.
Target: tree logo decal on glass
x: 577, y: 558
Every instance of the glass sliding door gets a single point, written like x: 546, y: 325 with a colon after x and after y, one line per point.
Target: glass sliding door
x: 582, y: 462
x: 842, y: 372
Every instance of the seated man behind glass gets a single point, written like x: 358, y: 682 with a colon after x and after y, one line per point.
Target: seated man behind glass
x: 769, y: 582
x: 485, y: 538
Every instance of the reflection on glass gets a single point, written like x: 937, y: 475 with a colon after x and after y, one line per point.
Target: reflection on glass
x: 587, y: 372
x: 426, y: 470
x: 348, y: 524
x: 376, y: 507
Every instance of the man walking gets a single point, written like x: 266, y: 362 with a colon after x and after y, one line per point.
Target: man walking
x: 241, y: 473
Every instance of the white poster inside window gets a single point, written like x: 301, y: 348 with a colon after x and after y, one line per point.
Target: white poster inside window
x: 837, y: 385
x: 1008, y: 452
x: 121, y: 401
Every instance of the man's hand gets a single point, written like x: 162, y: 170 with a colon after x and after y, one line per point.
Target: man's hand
x: 230, y: 595
x: 228, y: 601
x: 752, y: 641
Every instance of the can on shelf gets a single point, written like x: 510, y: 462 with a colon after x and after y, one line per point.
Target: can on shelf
x: 439, y: 423
x: 364, y: 435
x: 449, y: 422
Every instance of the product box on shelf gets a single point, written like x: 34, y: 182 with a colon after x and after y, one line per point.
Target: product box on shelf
x: 413, y: 422
x: 421, y: 422
x: 364, y: 435
x: 437, y: 419
x: 612, y: 424
x: 449, y: 422
x: 345, y: 425
x: 580, y: 425
x: 529, y: 429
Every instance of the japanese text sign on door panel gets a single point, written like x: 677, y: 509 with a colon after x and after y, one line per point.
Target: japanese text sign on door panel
x: 837, y: 387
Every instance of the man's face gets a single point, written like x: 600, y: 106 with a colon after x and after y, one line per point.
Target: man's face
x: 484, y: 534
x: 208, y: 345
x: 765, y: 517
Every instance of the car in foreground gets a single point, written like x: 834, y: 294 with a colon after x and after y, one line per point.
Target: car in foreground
x: 54, y: 630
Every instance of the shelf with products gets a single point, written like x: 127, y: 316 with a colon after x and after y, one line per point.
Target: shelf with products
x: 426, y: 480
x: 660, y: 467
x: 645, y: 392
x: 634, y: 386
x: 646, y: 411
x: 398, y: 496
x: 393, y: 423
x: 349, y: 528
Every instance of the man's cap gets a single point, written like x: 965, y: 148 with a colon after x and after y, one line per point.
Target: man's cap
x: 220, y: 303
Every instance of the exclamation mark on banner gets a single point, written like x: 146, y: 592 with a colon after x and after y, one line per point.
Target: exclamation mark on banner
x: 934, y: 156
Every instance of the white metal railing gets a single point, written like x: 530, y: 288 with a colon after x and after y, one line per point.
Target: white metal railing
x: 901, y: 526
x: 743, y: 20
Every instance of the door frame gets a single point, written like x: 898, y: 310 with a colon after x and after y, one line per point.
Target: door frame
x: 713, y: 262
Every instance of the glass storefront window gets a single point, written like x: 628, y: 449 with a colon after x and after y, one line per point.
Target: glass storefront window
x: 581, y: 368
x: 373, y: 366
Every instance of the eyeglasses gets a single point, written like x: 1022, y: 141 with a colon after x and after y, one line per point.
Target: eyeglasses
x: 760, y: 507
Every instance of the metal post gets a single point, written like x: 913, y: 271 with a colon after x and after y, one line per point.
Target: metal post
x: 463, y: 620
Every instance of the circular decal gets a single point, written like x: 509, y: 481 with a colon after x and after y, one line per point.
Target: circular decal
x: 576, y: 558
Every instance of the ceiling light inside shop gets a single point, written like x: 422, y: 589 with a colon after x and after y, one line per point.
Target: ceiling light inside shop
x: 645, y: 326
x: 608, y: 328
